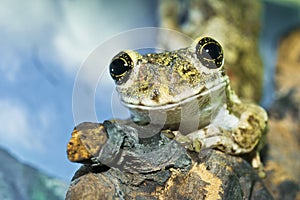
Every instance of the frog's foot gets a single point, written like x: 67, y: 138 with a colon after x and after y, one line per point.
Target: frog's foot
x: 258, y: 165
x: 215, y: 137
x: 209, y: 137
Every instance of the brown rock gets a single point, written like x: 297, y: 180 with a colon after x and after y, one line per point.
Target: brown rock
x: 213, y: 175
x: 283, y: 158
x: 284, y: 147
x: 86, y: 142
x: 288, y: 64
x: 90, y: 187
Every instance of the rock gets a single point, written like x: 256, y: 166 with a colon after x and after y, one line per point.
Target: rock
x: 91, y: 186
x: 287, y: 81
x: 284, y: 147
x: 86, y: 141
x: 288, y: 64
x: 283, y: 150
x: 216, y: 175
x: 213, y: 176
x: 280, y: 183
x: 183, y: 175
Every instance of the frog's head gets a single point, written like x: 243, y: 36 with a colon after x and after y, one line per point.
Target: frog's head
x: 159, y: 80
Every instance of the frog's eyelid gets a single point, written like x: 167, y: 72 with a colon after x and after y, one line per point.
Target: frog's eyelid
x: 135, y: 56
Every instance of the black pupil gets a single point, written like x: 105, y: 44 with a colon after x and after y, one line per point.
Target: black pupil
x: 211, y: 51
x: 118, y: 67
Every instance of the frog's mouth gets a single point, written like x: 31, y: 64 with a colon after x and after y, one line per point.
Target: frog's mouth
x: 204, y: 98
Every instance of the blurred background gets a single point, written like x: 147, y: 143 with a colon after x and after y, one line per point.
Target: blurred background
x: 43, y: 44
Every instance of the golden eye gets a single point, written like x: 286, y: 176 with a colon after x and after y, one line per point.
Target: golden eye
x: 120, y: 67
x: 210, y: 53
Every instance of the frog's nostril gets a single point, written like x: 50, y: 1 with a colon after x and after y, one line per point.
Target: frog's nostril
x: 120, y: 67
x: 210, y: 53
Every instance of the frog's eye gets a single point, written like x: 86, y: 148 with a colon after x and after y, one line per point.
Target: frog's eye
x: 210, y: 53
x: 120, y: 67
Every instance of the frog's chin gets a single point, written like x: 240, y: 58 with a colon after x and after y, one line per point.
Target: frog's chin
x: 204, y: 99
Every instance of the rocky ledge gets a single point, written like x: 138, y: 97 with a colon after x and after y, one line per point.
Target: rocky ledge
x: 155, y: 169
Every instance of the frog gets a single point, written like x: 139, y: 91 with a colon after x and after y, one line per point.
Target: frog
x: 188, y: 92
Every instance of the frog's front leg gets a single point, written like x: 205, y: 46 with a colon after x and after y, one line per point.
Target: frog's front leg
x: 238, y: 131
x: 251, y: 128
x: 251, y: 132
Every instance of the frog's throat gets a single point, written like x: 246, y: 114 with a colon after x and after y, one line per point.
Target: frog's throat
x: 214, y: 92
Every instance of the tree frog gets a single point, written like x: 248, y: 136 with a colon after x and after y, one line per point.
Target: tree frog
x: 187, y: 92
